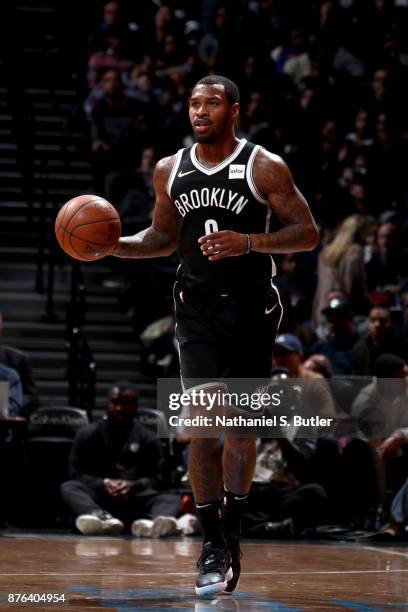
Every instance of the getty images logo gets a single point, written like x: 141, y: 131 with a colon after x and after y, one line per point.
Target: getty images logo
x: 236, y: 171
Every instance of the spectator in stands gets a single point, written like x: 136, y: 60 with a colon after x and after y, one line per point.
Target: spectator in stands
x: 381, y: 338
x: 319, y: 364
x: 282, y: 501
x: 395, y: 529
x: 381, y: 413
x: 119, y: 128
x: 382, y: 405
x: 283, y: 56
x: 163, y: 23
x: 295, y: 281
x: 160, y: 357
x: 217, y: 48
x: 116, y: 474
x: 339, y: 336
x: 20, y: 361
x: 387, y: 270
x: 288, y: 354
x: 342, y: 389
x: 15, y: 395
x: 341, y: 267
x: 111, y: 58
x: 403, y: 330
x: 112, y: 17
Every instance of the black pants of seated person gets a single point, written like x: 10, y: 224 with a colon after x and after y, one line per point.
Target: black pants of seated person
x: 83, y: 499
x: 305, y: 504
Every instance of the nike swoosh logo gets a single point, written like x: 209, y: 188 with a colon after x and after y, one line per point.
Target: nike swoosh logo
x: 180, y: 174
x: 269, y: 310
x: 203, y: 506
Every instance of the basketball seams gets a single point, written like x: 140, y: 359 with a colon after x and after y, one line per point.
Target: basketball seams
x: 114, y: 219
x: 78, y: 252
x: 71, y: 233
x: 83, y: 205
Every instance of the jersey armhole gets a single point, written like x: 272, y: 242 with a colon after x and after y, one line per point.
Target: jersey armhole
x: 250, y: 178
x: 174, y: 172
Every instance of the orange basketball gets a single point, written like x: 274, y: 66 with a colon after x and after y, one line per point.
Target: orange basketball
x: 87, y: 227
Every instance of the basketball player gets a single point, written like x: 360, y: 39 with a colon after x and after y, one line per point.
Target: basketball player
x: 214, y: 202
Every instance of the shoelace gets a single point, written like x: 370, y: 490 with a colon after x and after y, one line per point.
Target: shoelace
x: 104, y: 516
x: 211, y: 560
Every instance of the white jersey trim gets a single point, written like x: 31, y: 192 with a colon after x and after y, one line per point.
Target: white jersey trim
x: 250, y: 178
x: 220, y: 166
x: 174, y: 172
x: 274, y: 287
x: 267, y: 230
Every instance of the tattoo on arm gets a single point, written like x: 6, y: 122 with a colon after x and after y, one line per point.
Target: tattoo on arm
x: 161, y: 237
x: 273, y: 178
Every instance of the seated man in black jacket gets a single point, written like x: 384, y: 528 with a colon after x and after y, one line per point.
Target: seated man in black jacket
x: 116, y: 470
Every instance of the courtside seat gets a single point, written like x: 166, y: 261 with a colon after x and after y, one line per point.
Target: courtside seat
x: 56, y: 423
x: 155, y: 420
x: 50, y: 432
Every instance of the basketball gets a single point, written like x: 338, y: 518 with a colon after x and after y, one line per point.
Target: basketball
x: 87, y: 227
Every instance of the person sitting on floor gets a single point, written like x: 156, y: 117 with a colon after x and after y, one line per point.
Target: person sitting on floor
x: 116, y: 473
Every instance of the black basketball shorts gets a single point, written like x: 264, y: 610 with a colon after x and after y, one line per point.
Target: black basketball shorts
x: 226, y: 335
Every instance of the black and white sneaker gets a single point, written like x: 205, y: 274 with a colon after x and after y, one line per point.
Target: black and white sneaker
x: 215, y: 570
x: 236, y: 555
x: 99, y: 522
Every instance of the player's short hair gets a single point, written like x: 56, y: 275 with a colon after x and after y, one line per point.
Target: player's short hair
x: 230, y: 88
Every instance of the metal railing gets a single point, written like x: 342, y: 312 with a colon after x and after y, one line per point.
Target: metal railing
x: 81, y: 370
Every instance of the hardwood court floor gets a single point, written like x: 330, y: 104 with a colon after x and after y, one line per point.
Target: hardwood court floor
x: 137, y: 575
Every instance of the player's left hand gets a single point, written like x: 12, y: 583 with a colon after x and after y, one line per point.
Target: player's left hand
x: 123, y: 488
x: 223, y: 244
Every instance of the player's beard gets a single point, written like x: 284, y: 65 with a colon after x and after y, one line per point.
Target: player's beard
x: 210, y: 138
x: 216, y: 134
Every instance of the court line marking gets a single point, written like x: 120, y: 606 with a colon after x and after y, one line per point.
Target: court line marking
x: 386, y: 552
x: 142, y: 574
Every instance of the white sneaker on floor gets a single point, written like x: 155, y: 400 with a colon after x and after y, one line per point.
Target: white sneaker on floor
x: 99, y: 522
x: 164, y: 526
x: 188, y: 524
x: 142, y: 528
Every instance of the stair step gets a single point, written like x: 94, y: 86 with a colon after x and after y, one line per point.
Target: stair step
x: 56, y: 374
x: 8, y: 146
x: 43, y: 91
x: 110, y: 319
x: 30, y: 299
x: 116, y: 358
x: 8, y: 161
x: 102, y: 346
x: 59, y: 388
x: 68, y: 177
x: 28, y: 9
x: 9, y: 174
x: 146, y: 392
x: 59, y: 163
x: 18, y: 332
x: 45, y: 358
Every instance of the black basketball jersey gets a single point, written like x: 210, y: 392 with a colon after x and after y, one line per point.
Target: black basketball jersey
x: 223, y: 197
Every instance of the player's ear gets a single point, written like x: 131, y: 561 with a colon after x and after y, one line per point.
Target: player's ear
x: 235, y: 110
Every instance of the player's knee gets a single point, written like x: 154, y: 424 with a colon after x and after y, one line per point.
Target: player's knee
x: 206, y: 445
x: 237, y: 442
